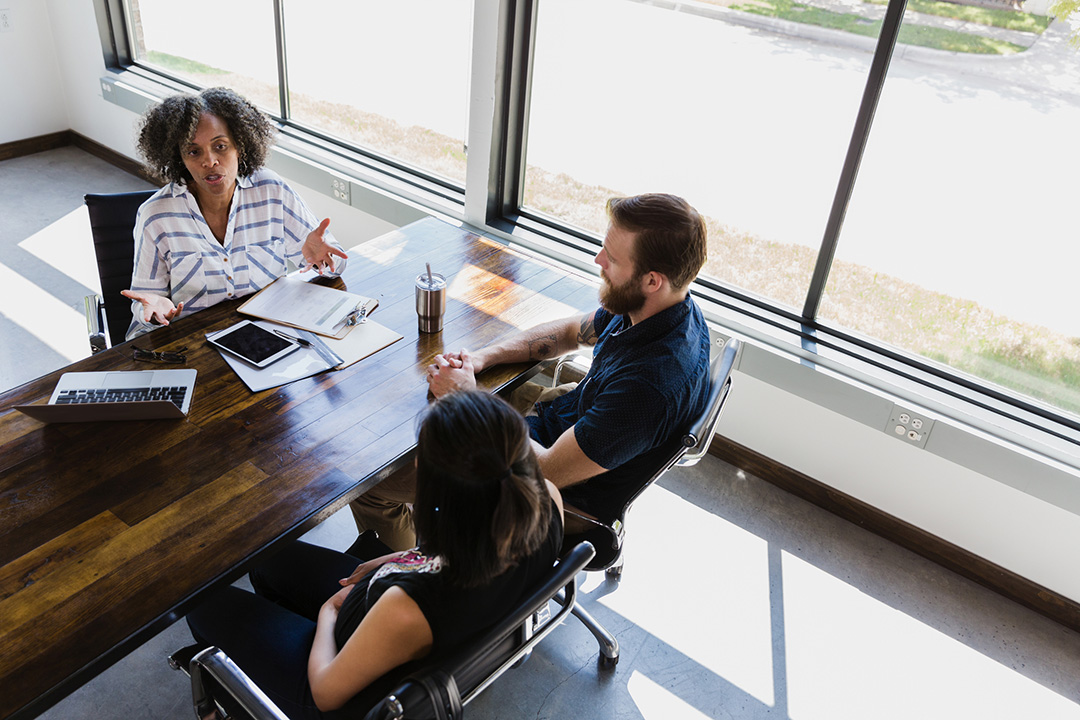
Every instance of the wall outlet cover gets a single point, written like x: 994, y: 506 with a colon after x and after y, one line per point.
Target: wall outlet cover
x: 911, y: 426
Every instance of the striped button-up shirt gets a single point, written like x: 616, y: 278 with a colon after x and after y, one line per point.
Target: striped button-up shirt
x: 176, y: 254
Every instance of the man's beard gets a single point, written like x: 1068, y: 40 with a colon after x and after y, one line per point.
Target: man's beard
x: 622, y: 299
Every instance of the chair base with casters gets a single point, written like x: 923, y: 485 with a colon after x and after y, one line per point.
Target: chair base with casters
x: 441, y: 688
x: 609, y: 645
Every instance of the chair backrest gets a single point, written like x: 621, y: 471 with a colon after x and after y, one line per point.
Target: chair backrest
x: 466, y: 673
x: 696, y: 441
x: 441, y: 686
x: 112, y: 222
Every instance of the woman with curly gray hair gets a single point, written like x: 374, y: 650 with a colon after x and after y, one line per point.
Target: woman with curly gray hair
x: 223, y: 226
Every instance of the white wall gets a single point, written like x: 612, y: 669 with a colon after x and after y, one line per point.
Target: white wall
x: 30, y: 85
x: 78, y: 55
x: 980, y: 513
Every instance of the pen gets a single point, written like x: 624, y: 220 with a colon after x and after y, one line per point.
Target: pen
x: 298, y: 340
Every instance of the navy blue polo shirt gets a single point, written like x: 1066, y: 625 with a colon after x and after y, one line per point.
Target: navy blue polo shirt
x: 647, y: 384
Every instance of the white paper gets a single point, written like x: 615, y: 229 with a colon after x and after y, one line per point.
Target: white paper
x: 303, y: 363
x: 293, y: 301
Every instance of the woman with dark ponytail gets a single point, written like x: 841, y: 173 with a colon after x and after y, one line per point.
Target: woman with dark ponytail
x: 488, y: 525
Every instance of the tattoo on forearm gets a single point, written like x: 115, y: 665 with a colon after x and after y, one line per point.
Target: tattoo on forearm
x: 587, y: 334
x: 543, y: 348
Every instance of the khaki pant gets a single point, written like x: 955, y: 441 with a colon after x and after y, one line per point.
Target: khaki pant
x: 386, y: 507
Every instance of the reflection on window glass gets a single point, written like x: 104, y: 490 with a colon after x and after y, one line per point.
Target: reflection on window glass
x: 749, y: 125
x: 390, y: 76
x: 960, y: 241
x: 211, y: 43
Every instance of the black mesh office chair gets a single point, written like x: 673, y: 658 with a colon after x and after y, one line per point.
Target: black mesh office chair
x: 112, y: 222
x: 608, y: 538
x: 439, y: 689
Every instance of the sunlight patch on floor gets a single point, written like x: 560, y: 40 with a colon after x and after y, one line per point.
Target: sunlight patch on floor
x: 850, y: 655
x: 700, y: 584
x: 38, y: 313
x: 656, y: 702
x: 67, y: 245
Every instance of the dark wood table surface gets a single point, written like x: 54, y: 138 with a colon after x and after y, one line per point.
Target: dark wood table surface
x: 110, y: 531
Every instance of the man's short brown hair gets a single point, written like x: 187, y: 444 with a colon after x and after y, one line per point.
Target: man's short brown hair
x: 670, y: 235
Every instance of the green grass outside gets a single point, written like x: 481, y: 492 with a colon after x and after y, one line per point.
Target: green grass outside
x: 942, y: 39
x: 1008, y: 19
x: 1054, y: 381
x: 181, y: 66
x: 910, y: 34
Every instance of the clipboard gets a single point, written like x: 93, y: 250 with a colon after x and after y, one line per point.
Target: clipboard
x: 300, y: 304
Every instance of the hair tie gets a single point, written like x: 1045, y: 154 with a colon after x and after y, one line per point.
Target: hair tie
x: 506, y: 474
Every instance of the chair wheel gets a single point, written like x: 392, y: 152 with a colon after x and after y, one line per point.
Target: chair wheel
x: 607, y: 663
x: 614, y: 572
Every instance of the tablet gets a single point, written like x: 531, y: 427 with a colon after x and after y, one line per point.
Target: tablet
x: 253, y: 343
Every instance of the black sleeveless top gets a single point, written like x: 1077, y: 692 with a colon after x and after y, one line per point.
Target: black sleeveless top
x: 455, y: 614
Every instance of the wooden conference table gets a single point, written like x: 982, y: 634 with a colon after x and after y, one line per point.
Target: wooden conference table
x: 110, y: 531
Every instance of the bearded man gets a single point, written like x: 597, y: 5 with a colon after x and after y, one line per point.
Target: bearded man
x: 647, y: 383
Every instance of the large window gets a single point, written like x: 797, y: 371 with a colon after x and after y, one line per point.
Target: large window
x: 210, y: 43
x: 956, y: 243
x: 750, y: 127
x: 916, y: 204
x: 960, y: 239
x: 389, y: 77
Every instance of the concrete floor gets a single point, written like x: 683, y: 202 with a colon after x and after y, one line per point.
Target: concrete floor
x: 738, y: 600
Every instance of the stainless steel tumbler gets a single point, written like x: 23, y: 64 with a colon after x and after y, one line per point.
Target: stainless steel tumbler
x: 430, y: 301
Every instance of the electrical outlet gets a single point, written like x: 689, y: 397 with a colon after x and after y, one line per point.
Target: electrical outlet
x: 341, y: 190
x: 5, y: 20
x: 909, y: 425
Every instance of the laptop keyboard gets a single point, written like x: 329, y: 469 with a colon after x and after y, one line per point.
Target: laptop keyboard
x: 174, y: 394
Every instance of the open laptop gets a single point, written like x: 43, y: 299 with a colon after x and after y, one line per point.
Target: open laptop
x: 121, y: 395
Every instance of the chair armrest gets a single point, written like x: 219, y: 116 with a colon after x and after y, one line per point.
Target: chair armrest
x: 605, y: 539
x: 573, y: 363
x: 95, y: 323
x: 217, y: 665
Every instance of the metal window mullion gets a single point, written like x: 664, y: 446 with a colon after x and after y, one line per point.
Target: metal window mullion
x: 114, y: 32
x: 282, y: 65
x: 517, y: 46
x: 890, y: 30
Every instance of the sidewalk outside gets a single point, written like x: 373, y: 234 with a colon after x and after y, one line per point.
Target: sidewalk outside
x: 870, y: 12
x: 1049, y: 60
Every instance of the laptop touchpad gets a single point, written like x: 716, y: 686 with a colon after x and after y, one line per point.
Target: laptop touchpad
x: 128, y: 379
